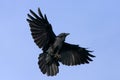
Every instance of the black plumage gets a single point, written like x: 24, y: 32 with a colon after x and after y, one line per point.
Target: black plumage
x: 55, y: 49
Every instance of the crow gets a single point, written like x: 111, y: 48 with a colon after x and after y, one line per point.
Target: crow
x: 54, y: 47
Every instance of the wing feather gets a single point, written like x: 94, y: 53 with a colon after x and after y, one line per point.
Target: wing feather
x: 74, y: 55
x: 41, y: 30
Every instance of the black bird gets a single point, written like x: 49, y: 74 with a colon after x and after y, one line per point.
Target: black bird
x: 55, y: 49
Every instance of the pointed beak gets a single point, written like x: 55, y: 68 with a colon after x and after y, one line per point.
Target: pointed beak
x: 67, y: 34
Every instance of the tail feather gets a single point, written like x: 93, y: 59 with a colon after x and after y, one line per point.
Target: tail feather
x: 49, y: 69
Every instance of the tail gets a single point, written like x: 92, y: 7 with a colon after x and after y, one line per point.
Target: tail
x: 50, y: 69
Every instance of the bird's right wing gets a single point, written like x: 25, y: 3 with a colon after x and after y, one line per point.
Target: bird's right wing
x: 71, y: 54
x: 41, y: 30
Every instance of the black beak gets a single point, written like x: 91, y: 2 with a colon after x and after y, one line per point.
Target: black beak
x: 67, y: 34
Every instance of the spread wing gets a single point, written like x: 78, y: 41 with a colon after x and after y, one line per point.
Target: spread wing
x: 74, y: 55
x: 41, y: 30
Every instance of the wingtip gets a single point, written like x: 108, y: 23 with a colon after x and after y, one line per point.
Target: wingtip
x: 40, y: 13
x: 28, y: 20
x: 30, y: 10
x: 38, y: 9
x: 92, y: 55
x: 28, y: 15
x: 90, y: 51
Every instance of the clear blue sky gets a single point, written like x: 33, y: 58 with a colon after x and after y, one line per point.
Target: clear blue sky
x: 94, y: 24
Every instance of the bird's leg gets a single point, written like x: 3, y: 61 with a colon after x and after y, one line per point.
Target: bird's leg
x: 57, y: 55
x: 52, y: 52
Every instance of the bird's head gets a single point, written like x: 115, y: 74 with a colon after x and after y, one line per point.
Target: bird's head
x: 63, y: 35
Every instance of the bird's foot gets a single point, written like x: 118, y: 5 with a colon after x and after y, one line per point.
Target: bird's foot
x: 57, y: 56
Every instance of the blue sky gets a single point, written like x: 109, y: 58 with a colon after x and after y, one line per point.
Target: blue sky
x: 94, y: 24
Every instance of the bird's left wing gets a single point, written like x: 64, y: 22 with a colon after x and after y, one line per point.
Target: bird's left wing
x: 41, y: 30
x: 74, y: 55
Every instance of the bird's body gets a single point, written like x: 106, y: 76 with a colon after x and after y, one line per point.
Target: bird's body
x: 57, y: 45
x: 55, y: 49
